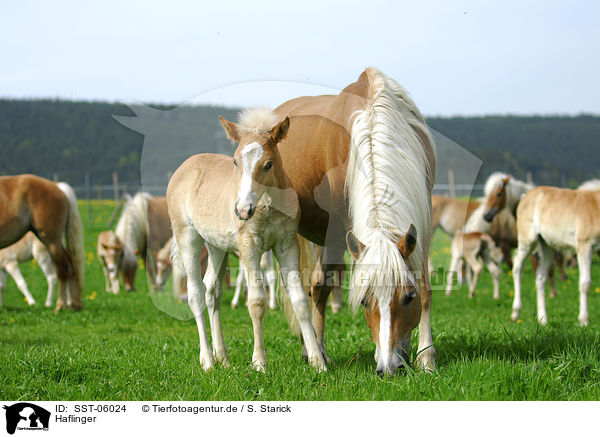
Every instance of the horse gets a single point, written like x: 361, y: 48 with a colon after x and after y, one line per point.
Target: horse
x: 474, y: 247
x: 503, y: 194
x: 143, y: 229
x: 364, y: 160
x: 239, y: 204
x: 557, y: 218
x: 449, y: 214
x: 164, y: 267
x: 49, y: 210
x: 27, y: 248
x: 591, y: 185
x: 267, y: 266
x: 115, y: 259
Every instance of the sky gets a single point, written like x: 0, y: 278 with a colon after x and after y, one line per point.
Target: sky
x: 454, y: 57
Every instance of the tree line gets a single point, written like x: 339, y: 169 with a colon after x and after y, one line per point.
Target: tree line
x: 70, y: 139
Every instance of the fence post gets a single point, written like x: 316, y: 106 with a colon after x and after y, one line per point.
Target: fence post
x: 452, y: 187
x: 87, y: 197
x: 115, y: 178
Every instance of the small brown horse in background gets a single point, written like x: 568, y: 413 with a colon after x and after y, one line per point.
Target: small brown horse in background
x: 451, y: 214
x: 49, y: 210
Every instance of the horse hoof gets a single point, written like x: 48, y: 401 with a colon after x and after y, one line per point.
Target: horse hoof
x: 318, y: 364
x: 259, y: 367
x: 207, y: 362
x: 584, y: 323
x: 514, y: 316
x: 336, y: 309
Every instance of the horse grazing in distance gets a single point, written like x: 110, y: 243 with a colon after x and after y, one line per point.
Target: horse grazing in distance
x: 27, y: 248
x: 49, y: 210
x: 142, y: 230
x: 364, y: 160
x: 116, y: 260
x: 474, y: 247
x: 451, y: 214
x: 559, y: 219
x: 239, y: 204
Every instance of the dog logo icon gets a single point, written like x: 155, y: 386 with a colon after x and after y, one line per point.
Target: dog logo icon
x: 26, y: 416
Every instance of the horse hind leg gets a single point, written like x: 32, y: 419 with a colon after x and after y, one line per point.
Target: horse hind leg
x: 44, y: 260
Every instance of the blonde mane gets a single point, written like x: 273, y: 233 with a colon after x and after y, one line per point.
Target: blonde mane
x: 132, y: 227
x: 388, y: 188
x: 257, y: 120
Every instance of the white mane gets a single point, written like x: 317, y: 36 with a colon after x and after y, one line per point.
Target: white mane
x: 388, y: 189
x: 257, y: 120
x: 514, y: 189
x: 132, y: 226
x: 591, y: 185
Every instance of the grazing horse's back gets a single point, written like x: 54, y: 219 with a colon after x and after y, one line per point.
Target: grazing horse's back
x: 49, y: 209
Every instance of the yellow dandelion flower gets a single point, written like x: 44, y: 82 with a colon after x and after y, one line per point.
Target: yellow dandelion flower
x: 92, y: 296
x: 597, y: 290
x: 12, y: 320
x: 519, y: 321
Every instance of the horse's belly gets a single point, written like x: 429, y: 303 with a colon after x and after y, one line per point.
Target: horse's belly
x: 225, y: 239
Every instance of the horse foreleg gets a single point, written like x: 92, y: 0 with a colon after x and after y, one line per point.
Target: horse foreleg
x: 268, y: 268
x: 523, y: 251
x: 289, y: 262
x: 45, y: 263
x: 213, y: 279
x: 584, y: 261
x: 336, y: 299
x: 257, y: 301
x: 239, y: 284
x: 455, y: 264
x: 426, y: 351
x: 2, y: 285
x: 495, y: 271
x: 190, y: 245
x: 13, y: 270
x: 475, y: 265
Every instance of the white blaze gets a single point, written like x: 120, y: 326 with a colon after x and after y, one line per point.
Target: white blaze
x: 250, y: 157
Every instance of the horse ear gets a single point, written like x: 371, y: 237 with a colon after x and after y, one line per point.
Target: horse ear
x: 355, y: 247
x: 505, y: 180
x: 280, y: 130
x: 407, y: 244
x: 230, y: 129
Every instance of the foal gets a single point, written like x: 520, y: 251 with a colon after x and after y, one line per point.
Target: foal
x: 473, y: 247
x: 27, y: 248
x: 242, y: 204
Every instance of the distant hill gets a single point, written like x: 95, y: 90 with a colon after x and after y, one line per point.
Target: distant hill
x: 70, y: 139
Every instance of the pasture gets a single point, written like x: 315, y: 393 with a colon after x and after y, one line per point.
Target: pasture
x: 123, y: 348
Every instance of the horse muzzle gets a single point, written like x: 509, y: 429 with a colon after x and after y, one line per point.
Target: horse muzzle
x: 244, y: 213
x: 490, y: 214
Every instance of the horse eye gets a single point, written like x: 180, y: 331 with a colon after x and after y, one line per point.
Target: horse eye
x: 235, y: 162
x: 499, y: 194
x: 409, y: 298
x: 268, y: 165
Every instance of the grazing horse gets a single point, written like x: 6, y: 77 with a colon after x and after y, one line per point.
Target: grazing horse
x: 451, y: 214
x: 242, y: 204
x: 27, y: 248
x: 164, y: 267
x: 557, y: 218
x: 49, y: 210
x: 364, y: 159
x: 474, y: 247
x: 142, y: 230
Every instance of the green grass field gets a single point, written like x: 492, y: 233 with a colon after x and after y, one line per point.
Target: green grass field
x: 123, y: 348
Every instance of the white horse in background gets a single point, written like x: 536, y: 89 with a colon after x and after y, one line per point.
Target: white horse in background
x: 27, y: 248
x: 591, y: 185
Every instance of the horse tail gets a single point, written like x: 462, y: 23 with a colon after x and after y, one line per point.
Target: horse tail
x: 74, y: 237
x: 308, y: 261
